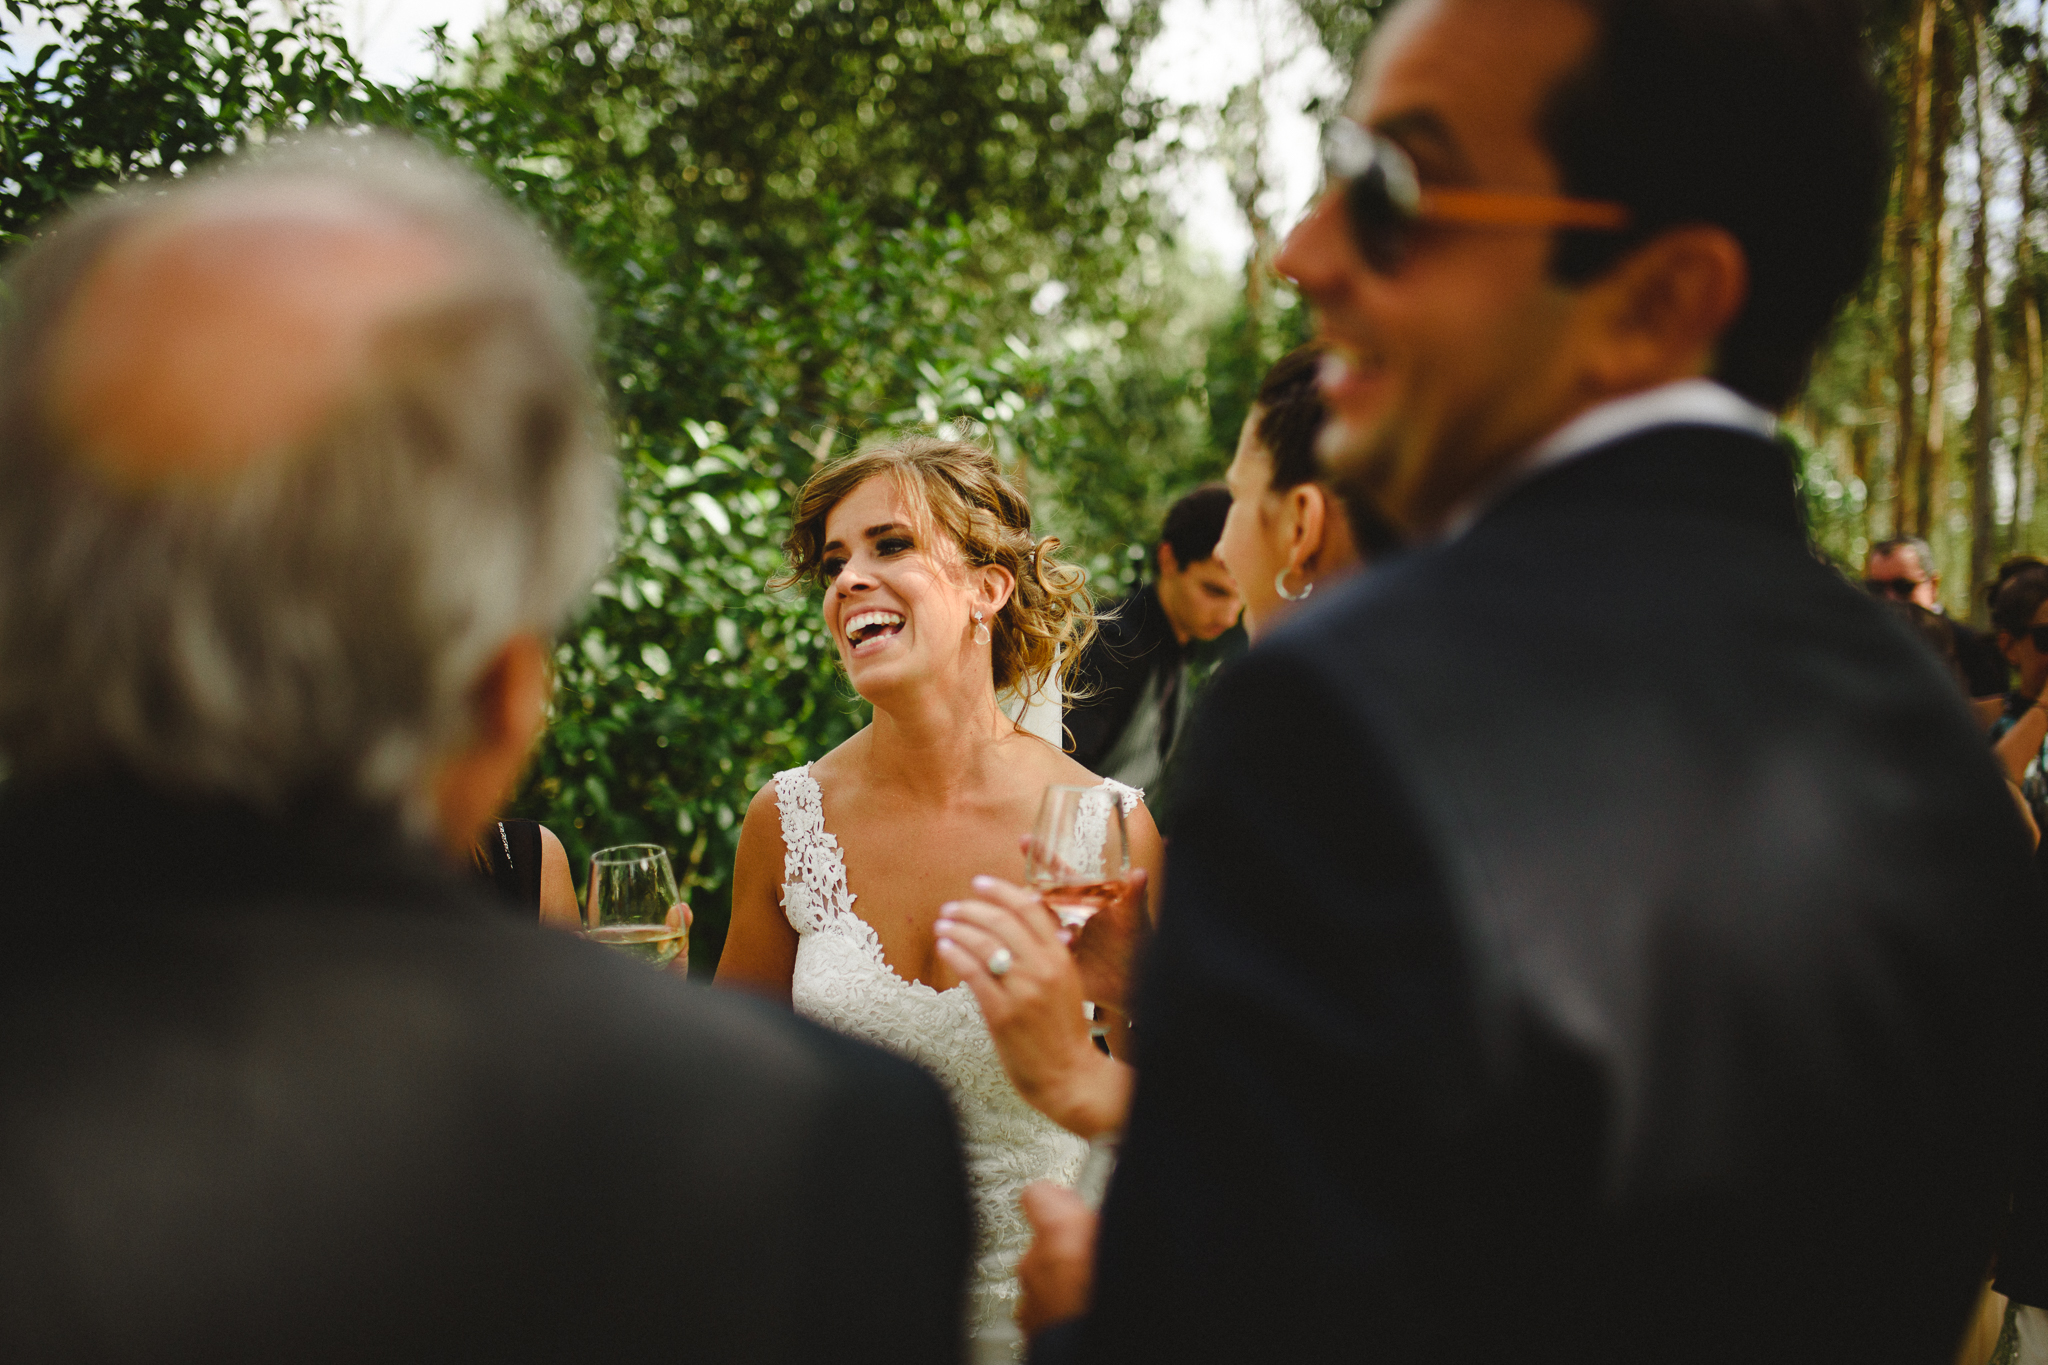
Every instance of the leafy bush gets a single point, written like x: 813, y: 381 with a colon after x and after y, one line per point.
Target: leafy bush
x: 788, y: 252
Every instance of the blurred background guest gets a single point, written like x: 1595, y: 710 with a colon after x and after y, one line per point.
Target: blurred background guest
x: 1934, y: 631
x: 1128, y: 696
x: 1902, y: 569
x: 2019, y: 736
x: 304, y: 462
x: 525, y: 864
x: 1288, y: 530
x: 1990, y: 712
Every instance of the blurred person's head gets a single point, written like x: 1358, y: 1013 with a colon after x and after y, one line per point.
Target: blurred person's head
x: 2007, y: 568
x: 1903, y: 569
x: 1197, y: 592
x: 1542, y: 205
x: 2019, y: 615
x: 931, y: 575
x: 1287, y: 530
x: 304, y: 463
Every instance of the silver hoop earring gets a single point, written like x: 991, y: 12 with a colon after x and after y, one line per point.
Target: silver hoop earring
x: 980, y: 630
x: 1280, y: 586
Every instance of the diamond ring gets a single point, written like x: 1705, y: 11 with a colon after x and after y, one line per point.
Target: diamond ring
x: 1000, y: 962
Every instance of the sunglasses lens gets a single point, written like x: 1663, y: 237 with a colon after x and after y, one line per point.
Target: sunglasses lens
x: 1380, y: 193
x: 1377, y: 226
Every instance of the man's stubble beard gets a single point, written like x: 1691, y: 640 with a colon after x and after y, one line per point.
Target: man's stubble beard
x: 1358, y: 468
x: 1407, y: 486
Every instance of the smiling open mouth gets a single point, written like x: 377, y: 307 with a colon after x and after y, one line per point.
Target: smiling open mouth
x: 872, y: 625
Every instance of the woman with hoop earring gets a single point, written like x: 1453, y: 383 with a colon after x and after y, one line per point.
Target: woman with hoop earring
x: 1288, y: 532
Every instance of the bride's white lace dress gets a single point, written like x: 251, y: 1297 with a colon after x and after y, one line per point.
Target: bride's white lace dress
x: 843, y: 981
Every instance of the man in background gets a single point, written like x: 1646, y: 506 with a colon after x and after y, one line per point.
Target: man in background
x: 1133, y: 678
x: 1902, y: 569
x: 301, y: 465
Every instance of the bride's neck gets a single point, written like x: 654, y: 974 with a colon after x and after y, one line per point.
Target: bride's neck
x: 934, y: 742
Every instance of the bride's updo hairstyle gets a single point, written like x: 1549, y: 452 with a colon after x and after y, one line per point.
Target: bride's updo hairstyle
x: 955, y: 487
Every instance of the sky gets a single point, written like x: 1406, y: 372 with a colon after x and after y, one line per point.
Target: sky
x: 1205, y: 49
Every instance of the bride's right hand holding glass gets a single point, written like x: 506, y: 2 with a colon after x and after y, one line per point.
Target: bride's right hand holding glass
x: 1107, y: 947
x: 1012, y: 953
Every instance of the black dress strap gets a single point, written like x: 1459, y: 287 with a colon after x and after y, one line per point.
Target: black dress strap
x: 509, y: 859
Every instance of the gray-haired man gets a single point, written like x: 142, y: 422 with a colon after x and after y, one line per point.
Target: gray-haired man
x: 300, y: 465
x: 1902, y: 569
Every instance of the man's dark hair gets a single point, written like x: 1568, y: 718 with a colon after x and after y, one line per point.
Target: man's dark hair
x: 1759, y: 116
x: 1195, y: 523
x: 2008, y: 570
x: 2015, y: 602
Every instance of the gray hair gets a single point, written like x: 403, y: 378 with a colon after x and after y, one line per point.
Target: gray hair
x: 311, y: 625
x: 1922, y: 551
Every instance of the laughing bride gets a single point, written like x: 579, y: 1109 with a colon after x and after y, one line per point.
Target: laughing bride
x: 938, y: 600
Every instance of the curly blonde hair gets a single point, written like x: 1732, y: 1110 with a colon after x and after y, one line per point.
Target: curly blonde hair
x: 956, y: 487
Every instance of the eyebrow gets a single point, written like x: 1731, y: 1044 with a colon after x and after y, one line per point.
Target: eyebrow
x: 1424, y: 131
x: 872, y: 533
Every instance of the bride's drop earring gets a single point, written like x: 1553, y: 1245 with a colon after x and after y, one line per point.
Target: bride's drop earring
x: 980, y: 630
x: 1280, y: 586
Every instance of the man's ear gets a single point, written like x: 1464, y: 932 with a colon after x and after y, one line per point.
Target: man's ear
x: 1661, y: 312
x: 508, y: 706
x: 1167, y: 563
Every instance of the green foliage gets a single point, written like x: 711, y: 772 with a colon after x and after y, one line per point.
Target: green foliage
x: 156, y: 86
x: 802, y: 224
x: 1343, y: 26
x: 690, y: 682
x: 733, y: 119
x: 1239, y: 355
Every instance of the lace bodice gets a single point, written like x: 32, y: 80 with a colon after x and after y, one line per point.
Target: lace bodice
x: 843, y: 981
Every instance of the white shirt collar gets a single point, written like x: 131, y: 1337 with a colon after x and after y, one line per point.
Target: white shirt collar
x: 1687, y: 402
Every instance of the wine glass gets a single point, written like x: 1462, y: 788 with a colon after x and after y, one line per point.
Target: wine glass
x: 1078, y: 852
x: 632, y: 890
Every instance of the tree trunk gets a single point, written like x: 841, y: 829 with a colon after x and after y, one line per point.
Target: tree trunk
x: 1919, y: 54
x: 1983, y: 414
x: 2029, y: 456
x: 1934, y: 472
x: 1935, y: 466
x: 2026, y: 459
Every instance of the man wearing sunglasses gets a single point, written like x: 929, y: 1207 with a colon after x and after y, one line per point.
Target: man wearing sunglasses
x: 1903, y: 569
x: 1595, y: 935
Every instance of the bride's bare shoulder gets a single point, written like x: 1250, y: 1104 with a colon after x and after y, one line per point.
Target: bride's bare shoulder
x: 842, y: 762
x: 1042, y: 763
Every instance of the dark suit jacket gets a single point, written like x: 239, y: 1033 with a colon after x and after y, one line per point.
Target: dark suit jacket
x: 1133, y: 641
x: 1600, y: 938
x: 276, y: 1093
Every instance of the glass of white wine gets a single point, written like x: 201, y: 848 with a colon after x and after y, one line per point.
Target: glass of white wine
x: 627, y: 907
x: 1078, y: 852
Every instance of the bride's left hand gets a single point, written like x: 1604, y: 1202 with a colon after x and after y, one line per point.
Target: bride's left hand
x: 1033, y: 1009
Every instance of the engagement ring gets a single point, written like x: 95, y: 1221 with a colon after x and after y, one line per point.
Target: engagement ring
x: 1000, y: 962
